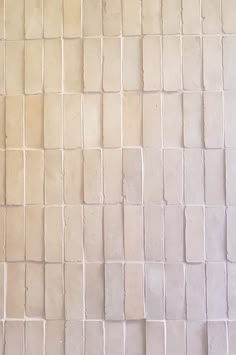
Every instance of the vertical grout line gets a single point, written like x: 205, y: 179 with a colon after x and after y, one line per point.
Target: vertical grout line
x: 5, y: 209
x: 44, y: 180
x: 82, y: 204
x: 62, y: 155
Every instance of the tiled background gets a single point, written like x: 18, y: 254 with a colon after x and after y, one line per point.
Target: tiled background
x: 118, y: 177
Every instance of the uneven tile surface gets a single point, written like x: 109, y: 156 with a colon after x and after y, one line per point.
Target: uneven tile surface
x: 117, y: 177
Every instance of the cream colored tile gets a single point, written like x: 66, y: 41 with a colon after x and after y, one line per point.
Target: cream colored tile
x: 33, y: 66
x: 14, y: 121
x: 73, y: 65
x: 34, y: 121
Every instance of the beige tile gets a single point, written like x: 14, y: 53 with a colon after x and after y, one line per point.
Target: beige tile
x: 14, y: 177
x: 195, y: 296
x: 53, y: 177
x: 154, y: 233
x: 175, y: 291
x: 192, y: 57
x: 151, y: 120
x: 213, y: 120
x: 132, y: 119
x: 73, y: 65
x: 2, y: 65
x: 2, y: 290
x: 174, y: 233
x: 211, y: 11
x: 2, y: 233
x: 92, y: 120
x: 34, y: 121
x: 215, y: 236
x: 113, y: 233
x: 133, y: 233
x: 55, y: 337
x: 74, y: 337
x: 134, y: 291
x: 2, y: 19
x: 131, y: 11
x: 33, y: 66
x: 114, y: 338
x: 73, y: 176
x: 34, y: 177
x: 111, y: 64
x: 151, y: 17
x: 73, y: 291
x: 72, y: 18
x: 53, y: 234
x: 14, y: 67
x: 155, y: 338
x: 92, y: 63
x: 93, y: 233
x: 15, y: 305
x: 132, y: 63
x: 171, y: 13
x: 54, y: 294
x: 153, y: 176
x: 193, y: 120
x: 52, y: 121
x: 194, y: 176
x: 214, y: 177
x: 135, y: 330
x: 34, y: 334
x: 212, y: 63
x: 194, y: 234
x: 111, y: 17
x: 175, y: 337
x: 52, y: 18
x: 72, y: 125
x: 33, y: 19
x: 94, y: 291
x: 2, y: 177
x: 14, y: 121
x: 191, y: 17
x: 114, y: 291
x: 34, y: 233
x: 111, y: 120
x: 196, y: 338
x: 52, y: 65
x: 217, y: 338
x: 152, y: 63
x: 92, y: 176
x: 132, y: 176
x: 14, y: 337
x: 173, y: 176
x: 14, y: 19
x: 171, y: 63
x: 34, y: 290
x: 112, y: 171
x: 2, y: 122
x: 15, y: 230
x: 94, y: 338
x: 92, y: 18
x: 154, y: 291
x: 172, y: 120
x: 73, y: 233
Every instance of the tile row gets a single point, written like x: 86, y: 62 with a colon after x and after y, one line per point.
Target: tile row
x: 111, y: 64
x: 116, y: 338
x: 116, y: 291
x: 116, y: 233
x: 151, y: 120
x: 130, y: 175
x: 72, y: 18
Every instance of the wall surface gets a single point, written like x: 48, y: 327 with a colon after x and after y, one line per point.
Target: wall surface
x: 118, y: 177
